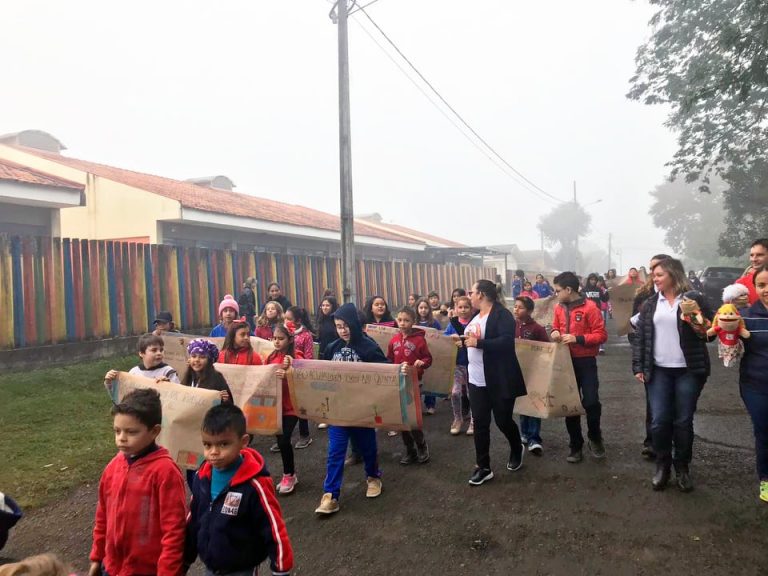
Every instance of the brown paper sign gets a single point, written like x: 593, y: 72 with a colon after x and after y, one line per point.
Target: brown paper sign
x: 183, y: 411
x: 258, y: 392
x: 622, y: 299
x: 355, y: 394
x: 438, y: 378
x: 549, y: 380
x: 544, y: 310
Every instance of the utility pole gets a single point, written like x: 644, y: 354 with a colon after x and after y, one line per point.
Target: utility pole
x: 348, y: 276
x: 610, y: 238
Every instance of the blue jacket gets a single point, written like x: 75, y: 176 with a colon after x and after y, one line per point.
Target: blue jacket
x: 753, y: 371
x: 456, y: 327
x: 360, y: 348
x: 242, y: 526
x: 543, y: 290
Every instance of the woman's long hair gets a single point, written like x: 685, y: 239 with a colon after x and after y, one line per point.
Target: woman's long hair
x: 321, y: 318
x: 491, y: 291
x: 370, y: 318
x: 647, y: 290
x: 674, y: 268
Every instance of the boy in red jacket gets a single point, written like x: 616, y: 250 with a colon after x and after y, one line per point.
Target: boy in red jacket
x: 410, y: 347
x: 141, y: 513
x: 578, y: 322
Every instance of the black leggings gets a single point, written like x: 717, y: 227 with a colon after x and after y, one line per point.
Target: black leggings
x: 284, y: 443
x: 482, y: 408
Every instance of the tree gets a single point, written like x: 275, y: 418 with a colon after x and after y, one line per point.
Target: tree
x: 564, y: 225
x: 746, y: 202
x: 693, y: 221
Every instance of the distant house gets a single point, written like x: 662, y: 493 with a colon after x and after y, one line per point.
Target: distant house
x: 116, y: 203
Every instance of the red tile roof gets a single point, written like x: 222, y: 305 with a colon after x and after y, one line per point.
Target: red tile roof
x: 18, y: 173
x: 219, y: 201
x: 416, y: 234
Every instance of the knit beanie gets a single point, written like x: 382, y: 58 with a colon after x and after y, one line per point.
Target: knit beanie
x: 228, y: 302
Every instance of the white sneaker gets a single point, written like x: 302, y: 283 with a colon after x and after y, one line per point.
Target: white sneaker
x: 535, y: 448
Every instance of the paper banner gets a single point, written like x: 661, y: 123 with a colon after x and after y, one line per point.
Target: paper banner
x: 438, y: 378
x: 355, y: 394
x: 544, y: 310
x: 258, y: 392
x: 183, y: 411
x: 549, y: 380
x: 622, y: 299
x: 175, y: 348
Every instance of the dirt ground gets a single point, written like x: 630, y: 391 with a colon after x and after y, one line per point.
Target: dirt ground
x: 548, y: 518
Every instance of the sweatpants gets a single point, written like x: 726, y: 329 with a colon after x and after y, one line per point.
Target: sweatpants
x: 338, y: 438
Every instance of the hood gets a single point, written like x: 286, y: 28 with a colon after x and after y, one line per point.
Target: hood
x: 415, y: 334
x: 348, y: 313
x: 253, y: 465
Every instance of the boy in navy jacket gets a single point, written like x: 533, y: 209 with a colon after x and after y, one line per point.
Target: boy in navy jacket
x: 235, y: 521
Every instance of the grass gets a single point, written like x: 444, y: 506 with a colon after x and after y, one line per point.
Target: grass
x: 56, y: 429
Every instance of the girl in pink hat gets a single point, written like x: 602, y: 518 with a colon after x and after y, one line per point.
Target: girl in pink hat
x: 228, y: 312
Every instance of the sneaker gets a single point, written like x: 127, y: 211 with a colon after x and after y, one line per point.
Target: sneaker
x: 456, y: 427
x: 597, y: 449
x: 274, y: 448
x: 575, y: 456
x: 648, y: 453
x: 764, y: 490
x: 322, y: 426
x: 535, y: 448
x: 601, y: 350
x: 471, y: 429
x: 422, y: 453
x: 392, y: 433
x: 353, y: 459
x: 374, y: 487
x: 524, y: 439
x: 429, y: 411
x: 328, y: 504
x: 516, y: 460
x: 303, y: 442
x: 408, y: 458
x: 480, y: 475
x: 287, y: 484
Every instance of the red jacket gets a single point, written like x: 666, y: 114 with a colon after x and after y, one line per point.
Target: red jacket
x: 140, y: 516
x: 584, y: 320
x: 277, y: 358
x: 748, y: 280
x: 264, y: 332
x: 242, y: 356
x: 302, y: 340
x: 409, y: 349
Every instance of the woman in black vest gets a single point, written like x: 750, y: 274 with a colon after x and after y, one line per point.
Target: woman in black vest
x: 495, y: 378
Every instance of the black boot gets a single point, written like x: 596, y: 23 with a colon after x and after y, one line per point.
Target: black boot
x: 684, y: 481
x: 661, y: 478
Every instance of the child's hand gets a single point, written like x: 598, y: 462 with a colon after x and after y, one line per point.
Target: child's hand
x: 111, y: 375
x: 280, y: 373
x: 287, y: 361
x: 404, y: 368
x: 568, y: 339
x: 162, y: 379
x: 224, y: 396
x: 555, y: 336
x: 94, y: 569
x: 457, y: 340
x: 419, y: 363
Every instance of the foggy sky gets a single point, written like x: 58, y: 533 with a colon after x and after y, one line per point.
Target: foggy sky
x: 249, y: 89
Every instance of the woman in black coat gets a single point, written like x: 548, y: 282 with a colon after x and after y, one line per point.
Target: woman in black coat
x: 495, y: 378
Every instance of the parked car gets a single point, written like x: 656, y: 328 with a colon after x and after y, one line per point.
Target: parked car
x: 714, y: 279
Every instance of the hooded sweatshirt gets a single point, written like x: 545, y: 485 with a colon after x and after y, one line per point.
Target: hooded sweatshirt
x: 360, y: 348
x: 242, y: 526
x: 409, y: 349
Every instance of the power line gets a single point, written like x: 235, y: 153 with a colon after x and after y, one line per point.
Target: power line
x: 453, y: 110
x: 362, y: 7
x: 447, y: 116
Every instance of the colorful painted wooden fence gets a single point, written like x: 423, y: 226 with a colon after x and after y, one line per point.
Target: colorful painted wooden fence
x: 67, y: 290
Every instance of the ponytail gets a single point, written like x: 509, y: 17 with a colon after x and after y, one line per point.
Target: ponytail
x: 494, y: 292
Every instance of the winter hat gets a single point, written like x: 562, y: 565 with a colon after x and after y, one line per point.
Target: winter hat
x: 202, y: 347
x: 229, y: 302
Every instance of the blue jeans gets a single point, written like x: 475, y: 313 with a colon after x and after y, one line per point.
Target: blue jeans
x: 757, y: 406
x: 430, y: 401
x: 585, y: 370
x: 530, y: 427
x: 673, y: 394
x: 338, y: 438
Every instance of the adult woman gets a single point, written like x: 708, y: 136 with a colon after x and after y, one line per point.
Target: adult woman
x: 247, y: 302
x: 670, y: 357
x: 753, y: 373
x: 275, y: 294
x: 495, y: 378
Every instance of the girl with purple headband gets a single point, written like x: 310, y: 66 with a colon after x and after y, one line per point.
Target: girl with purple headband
x: 201, y: 374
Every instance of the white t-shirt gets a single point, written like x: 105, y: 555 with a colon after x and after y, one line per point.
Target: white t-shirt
x: 476, y: 328
x: 667, y: 352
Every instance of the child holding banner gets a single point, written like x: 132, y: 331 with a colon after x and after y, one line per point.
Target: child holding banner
x: 457, y: 324
x: 351, y: 346
x: 409, y: 347
x: 237, y: 347
x: 141, y: 512
x: 201, y: 374
x: 152, y: 366
x: 425, y: 319
x: 235, y: 521
x: 229, y: 310
x: 297, y: 320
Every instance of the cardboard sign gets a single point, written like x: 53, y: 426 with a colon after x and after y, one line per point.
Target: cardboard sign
x: 258, y: 392
x: 622, y: 299
x: 544, y: 310
x: 355, y: 394
x: 183, y: 411
x: 550, y: 382
x: 175, y: 349
x: 438, y: 378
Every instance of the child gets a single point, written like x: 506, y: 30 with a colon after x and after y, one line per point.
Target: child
x: 425, y: 318
x: 326, y: 329
x: 409, y: 347
x: 235, y: 521
x: 297, y: 320
x: 412, y: 299
x: 377, y: 312
x: 271, y: 316
x: 229, y: 310
x: 599, y: 296
x: 141, y: 511
x: 526, y: 328
x: 151, y: 366
x: 284, y: 351
x: 163, y: 323
x: 528, y: 291
x: 463, y: 309
x: 578, y: 323
x: 351, y: 346
x: 542, y: 287
x: 434, y: 302
x: 237, y: 347
x: 201, y: 374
